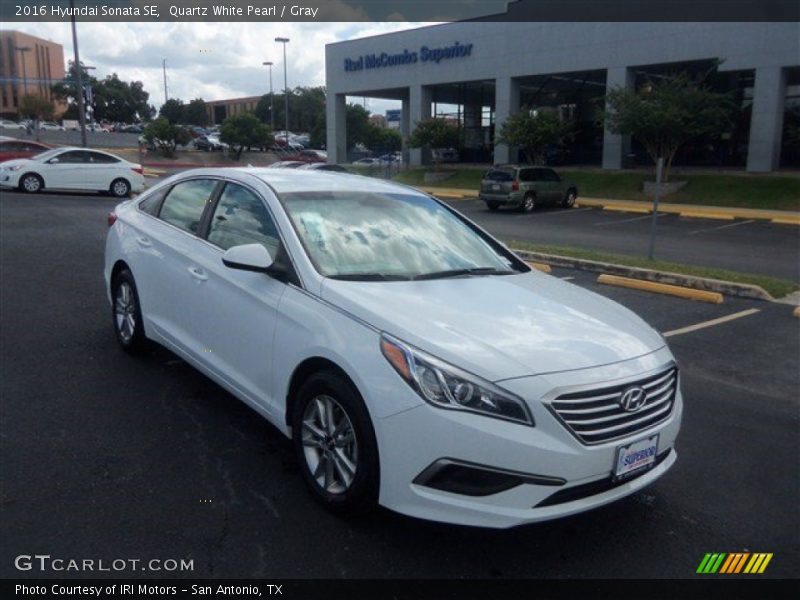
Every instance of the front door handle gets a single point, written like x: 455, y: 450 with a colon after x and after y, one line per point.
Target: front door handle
x: 197, y: 273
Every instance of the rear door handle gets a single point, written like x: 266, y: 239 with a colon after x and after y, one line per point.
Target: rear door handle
x: 197, y: 273
x: 143, y: 241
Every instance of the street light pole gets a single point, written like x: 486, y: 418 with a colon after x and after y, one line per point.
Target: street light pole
x: 79, y: 83
x: 285, y: 41
x: 271, y: 107
x: 164, y: 68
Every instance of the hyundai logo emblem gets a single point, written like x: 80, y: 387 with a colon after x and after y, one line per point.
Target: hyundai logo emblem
x: 633, y: 399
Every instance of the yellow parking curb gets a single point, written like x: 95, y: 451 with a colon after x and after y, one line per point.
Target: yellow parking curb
x: 707, y: 215
x: 626, y: 208
x: 544, y: 268
x: 796, y: 312
x: 662, y: 288
x: 787, y: 220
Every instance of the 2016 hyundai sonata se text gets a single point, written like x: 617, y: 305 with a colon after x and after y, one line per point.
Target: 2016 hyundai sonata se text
x: 414, y: 361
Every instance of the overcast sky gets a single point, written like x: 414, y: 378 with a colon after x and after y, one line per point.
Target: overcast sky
x: 213, y: 61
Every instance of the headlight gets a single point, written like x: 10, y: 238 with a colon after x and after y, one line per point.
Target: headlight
x: 446, y: 386
x: 14, y: 168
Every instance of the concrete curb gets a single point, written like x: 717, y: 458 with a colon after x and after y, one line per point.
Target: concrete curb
x: 728, y: 288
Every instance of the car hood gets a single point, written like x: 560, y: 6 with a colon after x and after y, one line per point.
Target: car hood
x: 15, y: 161
x: 500, y: 327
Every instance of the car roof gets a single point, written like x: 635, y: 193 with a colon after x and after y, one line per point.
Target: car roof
x: 293, y: 180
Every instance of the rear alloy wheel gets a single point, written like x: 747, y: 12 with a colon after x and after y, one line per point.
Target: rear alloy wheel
x: 120, y: 188
x: 335, y: 444
x: 31, y: 183
x: 528, y: 203
x: 127, y: 314
x: 569, y: 199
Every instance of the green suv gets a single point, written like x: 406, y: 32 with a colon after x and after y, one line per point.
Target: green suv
x: 525, y: 188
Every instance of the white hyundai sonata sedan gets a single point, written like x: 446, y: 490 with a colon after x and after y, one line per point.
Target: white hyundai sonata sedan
x: 73, y: 169
x: 413, y: 359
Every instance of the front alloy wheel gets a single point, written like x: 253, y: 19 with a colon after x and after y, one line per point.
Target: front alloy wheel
x: 335, y: 444
x: 330, y: 445
x: 569, y: 199
x: 31, y: 183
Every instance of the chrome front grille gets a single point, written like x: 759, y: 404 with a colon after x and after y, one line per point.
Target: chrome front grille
x: 596, y: 416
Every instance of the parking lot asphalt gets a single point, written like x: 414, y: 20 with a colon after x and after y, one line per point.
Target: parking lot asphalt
x: 108, y: 456
x: 742, y: 245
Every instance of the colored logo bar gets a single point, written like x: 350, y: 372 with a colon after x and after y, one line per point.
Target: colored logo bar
x: 734, y: 563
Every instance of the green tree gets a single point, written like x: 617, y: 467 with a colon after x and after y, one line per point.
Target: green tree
x: 35, y: 107
x: 358, y: 125
x: 666, y: 113
x: 112, y: 99
x: 434, y: 133
x: 306, y: 110
x: 533, y: 131
x: 120, y: 101
x: 166, y: 136
x: 67, y: 89
x: 384, y: 139
x: 174, y: 111
x: 244, y: 130
x: 195, y: 112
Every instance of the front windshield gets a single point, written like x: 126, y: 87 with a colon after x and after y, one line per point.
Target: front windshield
x: 46, y: 155
x: 369, y: 235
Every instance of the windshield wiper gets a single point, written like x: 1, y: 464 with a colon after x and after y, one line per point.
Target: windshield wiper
x: 462, y: 272
x: 369, y: 277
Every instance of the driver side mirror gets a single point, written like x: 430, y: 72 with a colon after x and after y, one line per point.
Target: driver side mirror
x: 54, y: 161
x: 248, y: 257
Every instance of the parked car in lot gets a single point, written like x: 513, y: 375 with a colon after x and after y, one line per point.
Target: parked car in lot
x: 525, y: 188
x: 287, y: 164
x: 52, y: 126
x: 323, y: 167
x: 73, y: 169
x: 7, y: 124
x: 209, y: 143
x: 361, y: 318
x: 11, y: 148
x: 367, y: 162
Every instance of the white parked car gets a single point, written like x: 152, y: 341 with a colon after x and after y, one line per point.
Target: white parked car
x: 51, y: 126
x: 73, y: 169
x: 414, y: 361
x: 6, y: 124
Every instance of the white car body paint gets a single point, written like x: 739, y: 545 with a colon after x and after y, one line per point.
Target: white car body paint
x: 249, y: 332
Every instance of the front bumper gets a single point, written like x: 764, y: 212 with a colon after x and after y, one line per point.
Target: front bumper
x: 412, y: 441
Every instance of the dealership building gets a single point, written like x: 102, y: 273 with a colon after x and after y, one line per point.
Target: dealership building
x: 479, y: 73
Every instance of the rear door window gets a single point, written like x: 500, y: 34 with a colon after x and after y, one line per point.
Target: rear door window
x: 183, y: 207
x: 500, y: 175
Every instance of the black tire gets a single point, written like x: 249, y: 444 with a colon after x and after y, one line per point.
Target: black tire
x: 493, y: 205
x: 120, y: 188
x: 569, y: 199
x: 528, y: 203
x: 361, y: 494
x: 31, y: 183
x: 126, y: 314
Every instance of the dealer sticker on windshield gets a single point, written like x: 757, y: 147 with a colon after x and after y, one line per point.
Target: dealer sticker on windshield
x: 636, y: 457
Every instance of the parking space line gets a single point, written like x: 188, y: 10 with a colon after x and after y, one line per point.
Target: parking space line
x: 567, y: 278
x: 572, y: 211
x: 647, y: 216
x: 696, y: 231
x: 712, y: 322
